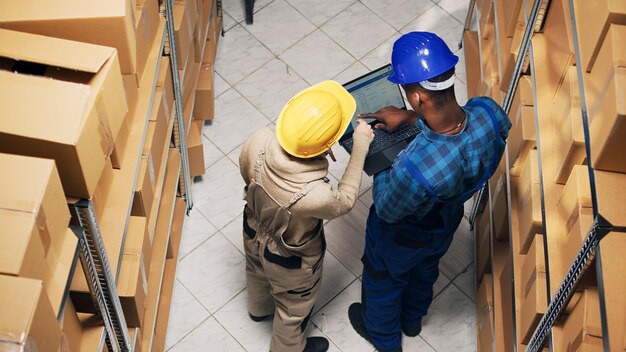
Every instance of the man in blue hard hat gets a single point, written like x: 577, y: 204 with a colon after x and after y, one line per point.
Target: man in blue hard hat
x: 418, y: 202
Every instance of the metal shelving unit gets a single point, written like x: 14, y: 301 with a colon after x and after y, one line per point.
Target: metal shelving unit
x: 180, y: 135
x: 92, y: 252
x: 590, y: 249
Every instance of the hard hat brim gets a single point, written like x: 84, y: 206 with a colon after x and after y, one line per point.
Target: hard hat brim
x: 347, y: 105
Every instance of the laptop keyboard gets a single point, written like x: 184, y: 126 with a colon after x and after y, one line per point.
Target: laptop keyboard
x: 383, y: 139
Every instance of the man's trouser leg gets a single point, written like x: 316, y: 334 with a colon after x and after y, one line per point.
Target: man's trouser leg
x: 418, y: 294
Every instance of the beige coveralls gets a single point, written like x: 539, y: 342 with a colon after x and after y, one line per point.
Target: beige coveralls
x: 287, y: 199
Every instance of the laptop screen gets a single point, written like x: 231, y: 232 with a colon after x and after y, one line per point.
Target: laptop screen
x: 373, y: 92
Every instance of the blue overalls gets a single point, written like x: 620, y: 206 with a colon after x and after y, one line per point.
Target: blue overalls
x: 401, y: 260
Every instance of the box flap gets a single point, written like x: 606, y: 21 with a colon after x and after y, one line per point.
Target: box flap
x: 42, y: 108
x: 53, y: 51
x: 37, y: 10
x: 16, y: 228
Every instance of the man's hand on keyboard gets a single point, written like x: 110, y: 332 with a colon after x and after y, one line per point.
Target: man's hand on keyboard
x: 391, y: 117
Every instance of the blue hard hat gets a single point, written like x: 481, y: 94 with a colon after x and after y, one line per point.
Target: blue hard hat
x: 420, y: 56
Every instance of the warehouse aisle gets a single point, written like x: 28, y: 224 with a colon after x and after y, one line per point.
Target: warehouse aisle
x: 291, y: 45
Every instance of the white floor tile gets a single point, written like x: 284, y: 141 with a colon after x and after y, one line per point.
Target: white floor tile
x: 346, y: 238
x: 239, y: 54
x: 466, y: 282
x: 196, y: 230
x: 211, y: 153
x: 234, y: 155
x: 253, y: 336
x: 305, y: 57
x: 381, y: 55
x: 358, y: 29
x: 436, y: 20
x: 320, y: 11
x: 209, y: 336
x: 366, y: 198
x: 278, y: 26
x: 271, y: 86
x: 213, y: 272
x: 459, y: 69
x: 235, y: 120
x: 337, y: 169
x: 218, y: 194
x: 227, y: 21
x: 333, y: 321
x: 457, y: 8
x: 354, y: 71
x: 187, y: 315
x: 440, y: 284
x: 334, y: 279
x: 236, y: 8
x: 234, y: 232
x: 450, y: 323
x: 415, y: 344
x: 219, y: 85
x: 398, y: 13
x: 460, y: 90
x: 461, y: 252
x: 311, y: 330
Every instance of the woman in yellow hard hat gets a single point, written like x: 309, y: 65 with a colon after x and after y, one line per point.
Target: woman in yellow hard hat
x: 288, y: 196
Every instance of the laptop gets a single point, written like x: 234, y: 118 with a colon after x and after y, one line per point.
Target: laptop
x: 373, y: 92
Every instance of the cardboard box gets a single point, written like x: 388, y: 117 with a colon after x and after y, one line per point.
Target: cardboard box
x: 158, y: 111
x: 189, y: 78
x: 591, y: 33
x: 472, y: 62
x: 131, y: 88
x: 483, y: 250
x: 529, y: 202
x: 27, y: 320
x: 132, y: 287
x: 522, y: 136
x: 534, y: 291
x: 485, y: 17
x: 138, y: 240
x: 204, y: 107
x: 79, y: 111
x: 484, y: 313
x: 183, y: 30
x: 146, y: 27
x: 187, y: 112
x: 145, y: 187
x: 559, y: 40
x: 71, y: 327
x: 108, y: 23
x: 164, y: 82
x: 498, y: 202
x: 21, y: 250
x: 582, y: 330
x: 32, y: 187
x: 570, y: 140
x: 133, y: 283
x: 156, y: 142
x: 120, y: 143
x: 195, y: 152
x: 103, y: 190
x: 608, y: 112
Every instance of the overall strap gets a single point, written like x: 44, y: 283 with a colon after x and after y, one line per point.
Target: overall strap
x: 417, y: 174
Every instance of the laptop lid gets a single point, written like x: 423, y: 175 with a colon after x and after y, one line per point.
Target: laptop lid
x: 372, y: 92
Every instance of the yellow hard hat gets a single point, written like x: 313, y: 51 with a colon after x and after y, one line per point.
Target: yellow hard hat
x: 314, y: 119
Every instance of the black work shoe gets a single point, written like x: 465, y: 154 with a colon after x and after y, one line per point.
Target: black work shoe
x: 259, y: 319
x: 355, y: 314
x: 316, y: 344
x: 412, y: 331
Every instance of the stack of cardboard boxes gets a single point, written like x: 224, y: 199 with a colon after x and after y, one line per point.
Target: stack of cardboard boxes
x: 88, y: 111
x: 551, y: 203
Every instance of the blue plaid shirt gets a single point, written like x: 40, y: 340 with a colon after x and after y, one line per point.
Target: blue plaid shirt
x: 452, y: 164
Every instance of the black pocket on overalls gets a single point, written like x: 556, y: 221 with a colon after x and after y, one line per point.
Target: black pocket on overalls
x: 413, y: 241
x: 292, y: 262
x: 249, y: 231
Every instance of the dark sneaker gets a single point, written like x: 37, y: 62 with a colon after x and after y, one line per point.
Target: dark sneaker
x: 412, y: 330
x: 355, y: 314
x: 316, y: 344
x: 259, y: 319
